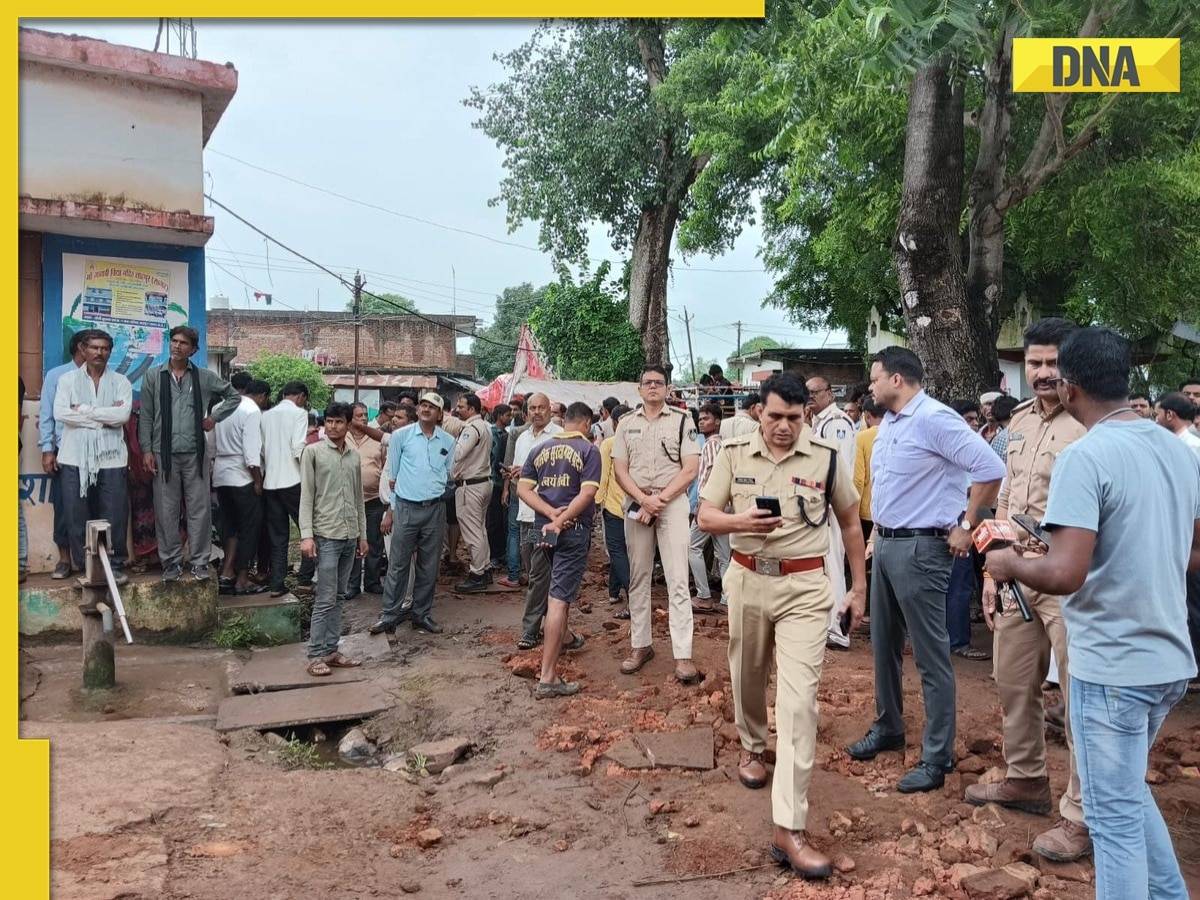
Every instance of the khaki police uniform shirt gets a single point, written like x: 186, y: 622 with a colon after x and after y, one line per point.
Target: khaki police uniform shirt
x: 473, y: 452
x: 652, y: 448
x: 1035, y: 438
x: 745, y: 469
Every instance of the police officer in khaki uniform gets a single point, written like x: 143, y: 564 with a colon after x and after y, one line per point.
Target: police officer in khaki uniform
x: 1040, y: 429
x: 472, y: 475
x: 655, y: 459
x: 779, y: 595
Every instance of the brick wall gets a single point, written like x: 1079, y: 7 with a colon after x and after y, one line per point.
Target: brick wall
x: 394, y: 342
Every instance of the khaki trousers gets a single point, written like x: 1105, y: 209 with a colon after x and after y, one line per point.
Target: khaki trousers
x: 470, y: 505
x: 1021, y: 659
x: 787, y: 614
x: 671, y: 534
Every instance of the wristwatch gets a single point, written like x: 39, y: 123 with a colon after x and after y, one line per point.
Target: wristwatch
x: 965, y: 524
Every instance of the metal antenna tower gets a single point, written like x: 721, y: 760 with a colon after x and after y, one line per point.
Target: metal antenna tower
x: 184, y: 31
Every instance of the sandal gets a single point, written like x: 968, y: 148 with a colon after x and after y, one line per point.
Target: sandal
x: 713, y: 609
x: 248, y: 591
x: 558, y: 688
x: 526, y: 644
x: 971, y: 653
x: 338, y: 661
x: 621, y: 613
x: 576, y: 642
x: 318, y: 668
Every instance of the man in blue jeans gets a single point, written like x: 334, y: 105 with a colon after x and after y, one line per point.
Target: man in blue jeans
x: 1124, y: 493
x: 333, y: 530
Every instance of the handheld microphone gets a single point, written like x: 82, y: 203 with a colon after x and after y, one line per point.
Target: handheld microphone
x: 993, y: 534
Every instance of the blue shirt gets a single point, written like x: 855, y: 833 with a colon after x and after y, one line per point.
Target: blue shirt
x: 1138, y: 487
x: 923, y: 460
x: 50, y: 432
x: 419, y: 465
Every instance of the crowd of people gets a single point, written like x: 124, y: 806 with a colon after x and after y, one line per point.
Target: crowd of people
x: 787, y: 504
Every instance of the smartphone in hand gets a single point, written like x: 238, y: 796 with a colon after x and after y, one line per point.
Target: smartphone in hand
x: 770, y: 504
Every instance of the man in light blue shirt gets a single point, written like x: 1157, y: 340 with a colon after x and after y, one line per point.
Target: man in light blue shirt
x: 923, y: 458
x: 50, y: 434
x: 418, y: 465
x: 1124, y: 519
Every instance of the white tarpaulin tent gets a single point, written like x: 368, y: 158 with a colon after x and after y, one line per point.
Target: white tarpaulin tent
x: 590, y: 392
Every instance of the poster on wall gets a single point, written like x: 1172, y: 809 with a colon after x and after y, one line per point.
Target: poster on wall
x: 137, y: 301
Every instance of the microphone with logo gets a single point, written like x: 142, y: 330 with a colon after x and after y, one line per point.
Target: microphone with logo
x: 993, y: 534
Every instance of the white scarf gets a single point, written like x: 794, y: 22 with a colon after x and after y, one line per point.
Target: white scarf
x: 99, y: 445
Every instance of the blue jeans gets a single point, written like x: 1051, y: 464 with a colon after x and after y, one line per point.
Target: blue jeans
x: 513, y: 547
x: 958, y: 601
x: 618, y: 557
x: 335, y: 557
x: 1114, y: 728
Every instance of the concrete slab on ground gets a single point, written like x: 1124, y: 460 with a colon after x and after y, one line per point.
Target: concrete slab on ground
x: 691, y: 748
x: 303, y: 706
x: 282, y: 668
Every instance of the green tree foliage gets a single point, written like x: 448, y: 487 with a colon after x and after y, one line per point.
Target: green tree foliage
x: 688, y: 375
x: 495, y: 354
x: 812, y: 117
x: 762, y: 342
x: 380, y: 304
x: 277, y: 369
x: 584, y: 329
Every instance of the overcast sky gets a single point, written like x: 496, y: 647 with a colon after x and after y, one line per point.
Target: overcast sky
x: 373, y: 111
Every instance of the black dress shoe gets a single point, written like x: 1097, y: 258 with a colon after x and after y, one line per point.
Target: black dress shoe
x: 382, y: 627
x: 922, y: 777
x: 873, y: 744
x: 426, y: 625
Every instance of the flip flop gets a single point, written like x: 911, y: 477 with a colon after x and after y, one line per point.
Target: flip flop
x: 338, y: 661
x: 249, y: 591
x: 318, y: 668
x: 621, y: 613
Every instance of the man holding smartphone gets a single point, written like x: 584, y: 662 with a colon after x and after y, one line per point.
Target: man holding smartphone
x: 1040, y: 430
x: 781, y: 482
x: 559, y: 482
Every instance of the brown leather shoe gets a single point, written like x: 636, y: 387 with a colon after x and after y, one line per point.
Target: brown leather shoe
x: 752, y: 771
x: 638, y: 658
x: 686, y: 672
x: 1065, y: 842
x: 1031, y: 795
x: 793, y: 849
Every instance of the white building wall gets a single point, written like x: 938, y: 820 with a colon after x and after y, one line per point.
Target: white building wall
x: 84, y: 134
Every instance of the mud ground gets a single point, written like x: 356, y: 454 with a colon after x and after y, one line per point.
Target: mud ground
x: 149, y: 801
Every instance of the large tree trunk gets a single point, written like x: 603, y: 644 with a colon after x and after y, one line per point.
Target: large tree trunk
x: 950, y: 334
x: 985, y: 223
x: 648, y: 280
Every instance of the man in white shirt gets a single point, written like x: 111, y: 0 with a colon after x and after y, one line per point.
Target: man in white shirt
x: 540, y: 428
x: 284, y: 435
x: 93, y: 404
x: 1175, y: 413
x: 237, y: 478
x: 831, y: 424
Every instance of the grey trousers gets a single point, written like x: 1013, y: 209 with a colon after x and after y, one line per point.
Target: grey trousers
x: 416, y: 529
x: 334, y: 559
x: 908, y: 591
x: 697, y: 541
x: 537, y: 593
x: 187, y: 486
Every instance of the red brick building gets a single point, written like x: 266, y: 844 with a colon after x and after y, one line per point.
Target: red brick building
x: 387, y: 344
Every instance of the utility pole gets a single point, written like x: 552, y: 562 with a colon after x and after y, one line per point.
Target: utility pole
x: 739, y: 349
x: 687, y: 323
x: 358, y: 286
x: 453, y: 292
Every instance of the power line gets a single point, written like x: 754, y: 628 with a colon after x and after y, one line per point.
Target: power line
x: 344, y: 282
x: 444, y: 227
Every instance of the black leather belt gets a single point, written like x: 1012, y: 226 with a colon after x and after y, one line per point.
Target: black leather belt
x: 480, y: 480
x: 434, y: 501
x: 910, y: 532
